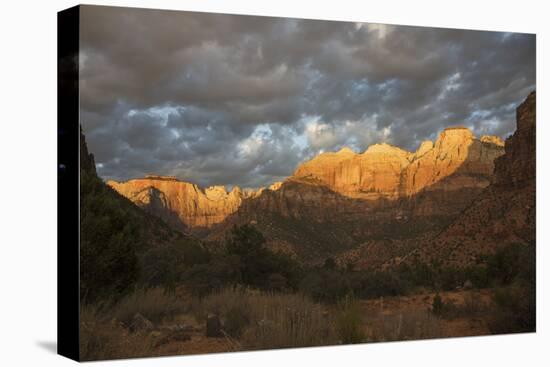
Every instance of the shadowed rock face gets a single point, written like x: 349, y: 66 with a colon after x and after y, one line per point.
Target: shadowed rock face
x: 518, y: 165
x: 505, y: 212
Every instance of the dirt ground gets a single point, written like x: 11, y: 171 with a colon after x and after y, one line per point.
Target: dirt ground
x: 412, y: 314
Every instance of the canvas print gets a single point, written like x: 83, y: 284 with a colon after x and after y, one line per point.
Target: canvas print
x: 252, y: 183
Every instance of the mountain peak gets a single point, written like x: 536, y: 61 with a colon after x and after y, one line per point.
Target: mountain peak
x: 425, y: 146
x: 455, y: 135
x: 345, y: 151
x: 215, y: 192
x: 160, y: 177
x: 492, y: 139
x: 384, y: 148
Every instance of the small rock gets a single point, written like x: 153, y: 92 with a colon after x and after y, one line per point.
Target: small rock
x: 179, y: 327
x: 172, y: 336
x: 156, y: 334
x: 213, y: 326
x: 140, y: 323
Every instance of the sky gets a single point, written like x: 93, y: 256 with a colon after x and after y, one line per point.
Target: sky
x: 220, y: 99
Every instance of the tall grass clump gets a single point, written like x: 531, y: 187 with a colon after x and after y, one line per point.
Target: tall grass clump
x: 265, y: 320
x: 408, y: 325
x: 349, y: 321
x: 104, y: 338
x: 154, y: 304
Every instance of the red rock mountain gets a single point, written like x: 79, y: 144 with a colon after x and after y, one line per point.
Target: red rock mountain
x: 379, y: 207
x: 457, y: 161
x: 182, y: 204
x: 505, y: 212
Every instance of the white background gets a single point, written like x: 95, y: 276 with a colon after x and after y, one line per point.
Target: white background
x: 28, y: 182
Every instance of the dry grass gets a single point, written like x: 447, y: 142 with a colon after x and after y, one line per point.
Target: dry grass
x: 104, y: 330
x: 410, y: 325
x: 154, y: 304
x: 349, y: 322
x: 273, y: 320
x: 252, y: 320
x: 101, y: 338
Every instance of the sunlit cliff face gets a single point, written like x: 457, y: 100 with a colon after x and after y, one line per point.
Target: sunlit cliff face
x: 457, y: 160
x: 385, y: 171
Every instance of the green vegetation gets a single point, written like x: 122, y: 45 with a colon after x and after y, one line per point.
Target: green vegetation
x: 437, y: 305
x: 132, y: 263
x: 109, y: 231
x: 123, y: 248
x: 515, y: 299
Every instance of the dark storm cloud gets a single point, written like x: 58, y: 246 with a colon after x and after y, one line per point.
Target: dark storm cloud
x: 237, y: 100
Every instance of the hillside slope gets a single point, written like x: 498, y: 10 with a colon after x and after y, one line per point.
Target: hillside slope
x: 505, y: 212
x: 114, y: 236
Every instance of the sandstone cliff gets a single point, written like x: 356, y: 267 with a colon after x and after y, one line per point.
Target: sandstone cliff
x: 337, y: 199
x: 456, y: 161
x: 182, y: 204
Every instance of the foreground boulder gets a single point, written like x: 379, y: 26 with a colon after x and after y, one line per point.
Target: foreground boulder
x: 140, y: 323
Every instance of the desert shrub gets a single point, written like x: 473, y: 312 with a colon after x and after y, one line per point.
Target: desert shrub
x: 109, y: 240
x: 277, y: 282
x: 437, y: 305
x: 221, y: 271
x: 236, y: 320
x: 514, y: 309
x: 449, y: 278
x: 418, y: 273
x: 514, y: 303
x: 446, y: 309
x: 162, y: 266
x: 477, y: 274
x: 507, y: 263
x: 165, y: 265
x: 379, y: 283
x: 329, y: 264
x: 349, y: 322
x: 257, y: 264
x: 221, y: 301
x: 325, y: 285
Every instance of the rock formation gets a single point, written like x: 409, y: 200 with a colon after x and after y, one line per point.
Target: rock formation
x: 177, y: 201
x: 456, y: 161
x: 504, y: 213
x: 383, y: 183
x: 518, y: 165
x: 453, y: 200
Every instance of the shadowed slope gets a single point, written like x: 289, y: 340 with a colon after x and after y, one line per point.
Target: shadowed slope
x: 505, y: 212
